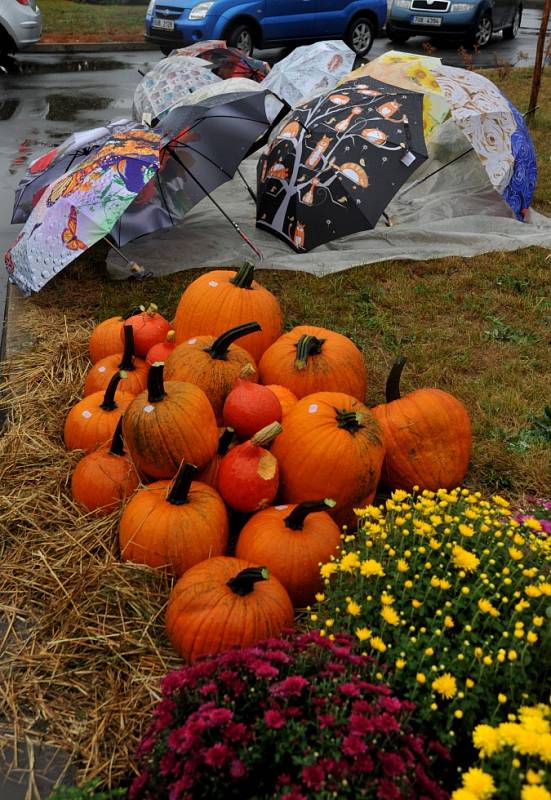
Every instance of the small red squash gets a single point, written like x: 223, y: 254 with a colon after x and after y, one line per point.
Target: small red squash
x: 250, y: 407
x: 248, y: 477
x: 209, y: 474
x: 331, y: 445
x: 150, y: 328
x: 221, y: 299
x: 105, y: 477
x: 223, y: 603
x: 174, y: 524
x: 427, y: 435
x: 214, y: 364
x: 310, y: 359
x: 105, y: 339
x: 169, y: 423
x: 92, y: 421
x: 286, y: 397
x: 292, y: 542
x: 103, y: 370
x: 161, y: 350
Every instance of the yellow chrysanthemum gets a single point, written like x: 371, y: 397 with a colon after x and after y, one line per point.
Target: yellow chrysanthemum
x: 534, y: 793
x: 466, y: 530
x: 353, y: 608
x: 515, y: 553
x: 402, y: 565
x: 463, y: 559
x: 448, y: 622
x: 371, y: 567
x: 480, y: 783
x: 487, y: 608
x: 390, y: 615
x: 327, y: 570
x: 531, y: 637
x: 400, y: 663
x: 463, y: 794
x: 387, y: 599
x: 378, y: 644
x: 486, y: 740
x: 398, y: 495
x: 533, y: 524
x: 363, y: 634
x: 420, y: 678
x: 349, y: 562
x: 445, y: 685
x: 533, y: 777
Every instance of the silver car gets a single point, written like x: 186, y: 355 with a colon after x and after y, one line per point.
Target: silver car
x: 20, y: 25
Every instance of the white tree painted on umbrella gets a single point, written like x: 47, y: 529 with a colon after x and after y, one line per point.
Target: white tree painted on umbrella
x: 294, y: 134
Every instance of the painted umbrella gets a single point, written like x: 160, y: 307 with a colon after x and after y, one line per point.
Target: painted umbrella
x: 229, y: 62
x: 56, y: 162
x: 336, y: 162
x: 82, y: 206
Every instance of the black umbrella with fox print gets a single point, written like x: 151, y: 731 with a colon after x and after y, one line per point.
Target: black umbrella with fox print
x: 335, y: 163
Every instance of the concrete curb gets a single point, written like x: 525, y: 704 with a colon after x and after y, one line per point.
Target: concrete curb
x: 91, y: 47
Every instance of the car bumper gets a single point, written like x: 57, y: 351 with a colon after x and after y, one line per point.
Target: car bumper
x: 27, y: 27
x: 185, y: 32
x: 452, y: 25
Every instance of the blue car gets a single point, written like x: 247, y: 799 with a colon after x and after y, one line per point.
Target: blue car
x: 471, y: 21
x: 264, y: 23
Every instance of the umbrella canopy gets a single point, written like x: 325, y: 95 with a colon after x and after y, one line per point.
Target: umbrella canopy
x: 309, y: 71
x: 337, y: 161
x: 492, y: 125
x: 50, y: 166
x: 81, y: 207
x: 198, y: 48
x: 168, y: 83
x: 203, y: 147
x: 229, y: 62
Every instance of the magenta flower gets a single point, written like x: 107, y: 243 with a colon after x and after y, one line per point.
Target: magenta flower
x: 313, y: 776
x: 289, y: 687
x: 274, y: 719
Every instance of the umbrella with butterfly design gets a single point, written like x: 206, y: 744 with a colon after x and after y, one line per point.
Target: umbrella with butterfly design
x: 82, y: 206
x: 336, y: 162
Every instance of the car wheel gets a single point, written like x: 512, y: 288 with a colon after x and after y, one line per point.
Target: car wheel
x: 395, y: 36
x: 512, y: 31
x: 360, y: 36
x: 482, y: 32
x: 241, y: 37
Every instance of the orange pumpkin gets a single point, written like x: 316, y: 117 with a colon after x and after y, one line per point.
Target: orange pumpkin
x: 209, y: 474
x: 222, y: 603
x: 92, y: 421
x: 427, y: 436
x: 104, y: 477
x: 331, y: 445
x: 214, y: 364
x: 103, y: 370
x: 285, y: 396
x: 105, y: 339
x: 310, y: 359
x: 221, y: 299
x: 248, y: 476
x: 174, y: 524
x: 169, y: 423
x: 292, y: 541
x: 161, y: 350
x: 150, y: 328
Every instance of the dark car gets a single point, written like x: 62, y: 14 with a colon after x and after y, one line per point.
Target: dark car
x: 470, y: 21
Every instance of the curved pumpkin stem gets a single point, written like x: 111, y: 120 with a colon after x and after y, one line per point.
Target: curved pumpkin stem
x: 295, y: 520
x: 349, y: 420
x: 244, y: 277
x: 244, y: 581
x: 152, y: 309
x: 307, y: 346
x: 392, y: 390
x: 133, y: 312
x: 219, y: 348
x: 178, y: 494
x: 109, y: 396
x: 266, y: 435
x: 117, y: 444
x: 155, y: 382
x: 127, y: 362
x: 224, y: 441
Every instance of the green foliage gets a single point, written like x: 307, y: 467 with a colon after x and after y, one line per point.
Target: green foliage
x: 88, y: 791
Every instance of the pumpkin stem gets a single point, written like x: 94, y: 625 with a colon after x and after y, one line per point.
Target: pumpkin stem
x: 178, y: 494
x: 244, y: 276
x: 170, y: 336
x: 307, y: 346
x: 244, y: 581
x: 152, y: 309
x: 117, y: 444
x: 109, y: 396
x: 224, y: 441
x: 392, y: 390
x: 127, y: 362
x: 133, y: 312
x: 219, y: 348
x: 349, y: 420
x: 295, y: 520
x: 266, y: 435
x: 155, y: 383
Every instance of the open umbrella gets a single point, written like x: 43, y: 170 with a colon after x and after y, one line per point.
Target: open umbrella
x: 82, y: 206
x: 229, y: 62
x: 336, y: 162
x: 198, y: 48
x: 169, y: 82
x: 56, y: 162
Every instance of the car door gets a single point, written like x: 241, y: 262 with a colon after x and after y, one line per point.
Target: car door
x: 500, y: 11
x: 332, y: 17
x: 285, y: 20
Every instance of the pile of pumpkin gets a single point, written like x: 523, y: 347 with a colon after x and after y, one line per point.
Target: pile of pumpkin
x: 219, y: 414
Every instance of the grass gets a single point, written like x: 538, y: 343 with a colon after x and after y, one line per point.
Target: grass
x: 66, y: 21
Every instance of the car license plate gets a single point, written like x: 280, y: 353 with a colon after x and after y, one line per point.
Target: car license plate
x: 163, y: 24
x: 427, y: 20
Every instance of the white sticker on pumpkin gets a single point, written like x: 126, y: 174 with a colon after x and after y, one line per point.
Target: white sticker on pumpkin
x: 281, y: 508
x: 213, y: 283
x: 148, y: 409
x: 101, y: 369
x: 312, y: 408
x: 192, y: 341
x: 86, y: 414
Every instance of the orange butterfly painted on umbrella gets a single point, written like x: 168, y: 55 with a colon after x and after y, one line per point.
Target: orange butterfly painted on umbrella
x: 69, y: 235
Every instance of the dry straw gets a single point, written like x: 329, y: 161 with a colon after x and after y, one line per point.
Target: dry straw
x: 82, y: 642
